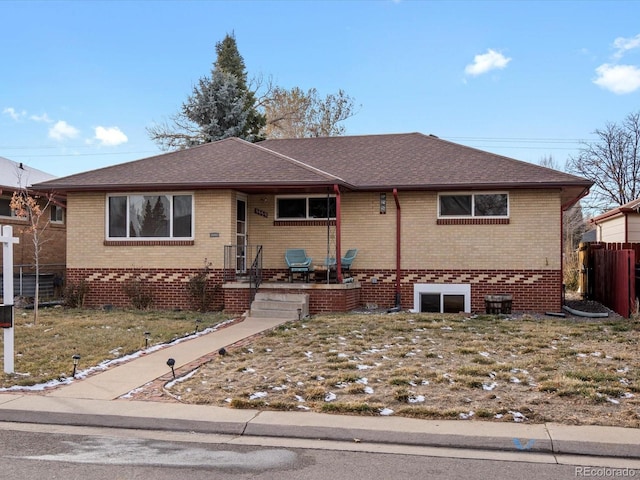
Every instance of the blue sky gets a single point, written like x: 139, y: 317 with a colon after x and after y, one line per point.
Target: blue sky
x: 81, y: 81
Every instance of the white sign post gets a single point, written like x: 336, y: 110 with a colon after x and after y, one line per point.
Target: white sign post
x: 7, y: 239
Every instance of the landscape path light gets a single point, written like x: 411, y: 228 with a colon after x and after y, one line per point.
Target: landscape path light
x: 198, y: 321
x: 171, y: 362
x: 76, y: 359
x: 147, y: 337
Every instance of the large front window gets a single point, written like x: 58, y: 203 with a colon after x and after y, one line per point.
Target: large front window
x: 305, y: 207
x: 150, y: 216
x: 473, y: 205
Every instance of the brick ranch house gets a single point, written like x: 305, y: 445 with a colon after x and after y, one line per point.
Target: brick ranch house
x: 437, y: 225
x: 13, y: 177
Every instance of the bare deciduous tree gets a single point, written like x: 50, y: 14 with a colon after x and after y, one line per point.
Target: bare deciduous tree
x: 612, y: 163
x: 32, y: 208
x: 298, y: 114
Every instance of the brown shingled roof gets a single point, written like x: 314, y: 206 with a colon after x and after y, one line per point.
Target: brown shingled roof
x: 411, y: 161
x: 228, y: 163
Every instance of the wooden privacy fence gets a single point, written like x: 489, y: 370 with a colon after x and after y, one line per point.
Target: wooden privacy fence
x: 608, y: 274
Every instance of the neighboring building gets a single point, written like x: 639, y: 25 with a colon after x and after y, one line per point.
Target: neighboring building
x: 13, y: 177
x: 619, y: 225
x: 438, y: 226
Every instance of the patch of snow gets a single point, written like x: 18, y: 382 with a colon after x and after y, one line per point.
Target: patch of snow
x: 172, y: 383
x: 257, y: 395
x: 514, y: 380
x: 424, y: 382
x: 613, y: 400
x: 498, y: 416
x: 484, y: 354
x: 131, y: 393
x: 368, y: 390
x: 490, y: 386
x: 416, y: 399
x: 364, y: 367
x: 330, y: 397
x: 446, y: 328
x: 300, y: 399
x: 303, y: 407
x: 517, y: 416
x: 386, y: 411
x: 628, y: 395
x: 466, y: 416
x: 308, y: 354
x: 362, y: 380
x: 249, y: 370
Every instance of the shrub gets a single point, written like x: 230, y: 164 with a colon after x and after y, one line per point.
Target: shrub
x: 139, y: 292
x: 75, y: 294
x: 199, y: 290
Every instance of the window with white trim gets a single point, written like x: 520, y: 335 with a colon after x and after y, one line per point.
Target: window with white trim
x: 441, y: 298
x: 298, y: 207
x: 150, y: 215
x: 473, y: 205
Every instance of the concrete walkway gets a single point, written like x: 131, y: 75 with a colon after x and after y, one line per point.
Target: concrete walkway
x: 93, y: 401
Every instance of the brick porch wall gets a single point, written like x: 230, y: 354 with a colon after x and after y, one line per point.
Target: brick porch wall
x: 532, y: 290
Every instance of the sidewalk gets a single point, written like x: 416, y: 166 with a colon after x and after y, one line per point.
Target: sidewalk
x: 93, y: 401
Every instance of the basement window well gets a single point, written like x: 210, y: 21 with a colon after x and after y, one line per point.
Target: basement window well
x: 441, y: 298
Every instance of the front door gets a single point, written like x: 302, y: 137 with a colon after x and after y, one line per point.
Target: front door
x: 241, y: 235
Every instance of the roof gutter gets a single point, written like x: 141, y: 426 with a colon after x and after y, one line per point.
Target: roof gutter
x: 398, y: 246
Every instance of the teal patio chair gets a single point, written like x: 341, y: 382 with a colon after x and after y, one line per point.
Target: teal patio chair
x: 348, y: 259
x: 298, y: 262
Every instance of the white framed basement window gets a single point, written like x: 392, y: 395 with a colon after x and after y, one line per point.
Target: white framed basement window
x: 441, y: 297
x: 305, y: 207
x: 154, y: 216
x: 473, y: 205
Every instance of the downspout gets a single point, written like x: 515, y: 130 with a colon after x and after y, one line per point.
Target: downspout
x: 336, y: 189
x: 398, y: 247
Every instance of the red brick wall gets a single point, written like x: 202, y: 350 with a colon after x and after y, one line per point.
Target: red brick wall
x: 168, y: 287
x: 532, y: 290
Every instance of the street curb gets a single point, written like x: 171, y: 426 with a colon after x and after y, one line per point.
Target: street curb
x: 473, y: 435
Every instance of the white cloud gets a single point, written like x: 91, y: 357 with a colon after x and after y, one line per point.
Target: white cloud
x: 110, y: 136
x: 619, y: 79
x: 13, y: 113
x: 623, y: 45
x: 41, y: 118
x: 62, y: 131
x: 486, y: 62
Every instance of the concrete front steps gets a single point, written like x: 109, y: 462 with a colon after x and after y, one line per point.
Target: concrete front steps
x: 289, y: 306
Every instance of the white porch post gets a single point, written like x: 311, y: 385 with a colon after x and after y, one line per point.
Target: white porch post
x: 7, y: 239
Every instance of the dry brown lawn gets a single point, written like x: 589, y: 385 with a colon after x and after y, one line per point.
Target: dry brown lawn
x: 43, y: 350
x: 432, y: 366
